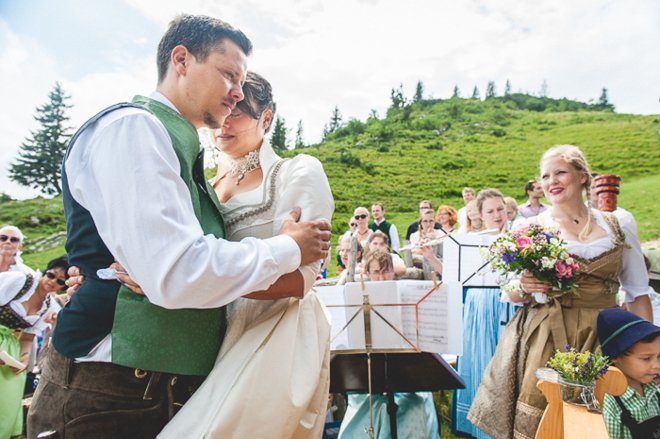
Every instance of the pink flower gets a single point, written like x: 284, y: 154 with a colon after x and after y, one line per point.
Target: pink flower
x: 563, y: 270
x: 523, y: 242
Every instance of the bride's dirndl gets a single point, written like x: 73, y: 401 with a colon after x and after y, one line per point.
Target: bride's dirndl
x: 272, y: 375
x: 507, y: 403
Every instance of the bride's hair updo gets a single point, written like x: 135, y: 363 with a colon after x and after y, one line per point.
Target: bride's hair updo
x: 575, y: 157
x: 258, y: 97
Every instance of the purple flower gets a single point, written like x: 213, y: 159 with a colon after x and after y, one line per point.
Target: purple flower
x: 567, y: 347
x: 508, y: 258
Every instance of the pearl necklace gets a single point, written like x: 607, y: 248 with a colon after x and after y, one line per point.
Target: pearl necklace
x: 241, y: 166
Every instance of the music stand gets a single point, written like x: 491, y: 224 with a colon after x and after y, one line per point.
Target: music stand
x: 393, y: 366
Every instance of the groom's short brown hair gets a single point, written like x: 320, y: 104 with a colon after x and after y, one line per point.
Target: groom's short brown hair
x: 200, y: 34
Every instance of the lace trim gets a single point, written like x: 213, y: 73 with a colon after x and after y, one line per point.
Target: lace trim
x: 251, y: 211
x: 528, y: 409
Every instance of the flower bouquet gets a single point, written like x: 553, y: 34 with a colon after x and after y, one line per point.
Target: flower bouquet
x: 539, y: 250
x: 578, y: 372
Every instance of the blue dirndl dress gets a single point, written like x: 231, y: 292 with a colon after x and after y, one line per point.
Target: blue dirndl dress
x: 416, y: 416
x: 484, y: 319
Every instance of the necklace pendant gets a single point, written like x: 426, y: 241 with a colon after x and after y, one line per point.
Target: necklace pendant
x: 239, y: 178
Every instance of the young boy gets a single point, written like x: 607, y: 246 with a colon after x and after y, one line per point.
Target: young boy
x: 633, y: 345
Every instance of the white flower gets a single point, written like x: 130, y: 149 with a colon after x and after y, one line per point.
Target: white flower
x: 547, y: 262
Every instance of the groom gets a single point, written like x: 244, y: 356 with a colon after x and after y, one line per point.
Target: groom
x: 134, y: 191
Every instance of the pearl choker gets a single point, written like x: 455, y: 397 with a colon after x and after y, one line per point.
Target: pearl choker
x: 241, y: 166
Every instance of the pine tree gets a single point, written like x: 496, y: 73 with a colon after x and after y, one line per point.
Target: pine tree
x: 397, y: 97
x: 335, y: 120
x: 419, y: 92
x: 604, y: 101
x: 278, y: 139
x: 490, y: 90
x: 456, y: 93
x: 507, y: 88
x: 300, y: 142
x: 39, y: 161
x: 475, y: 93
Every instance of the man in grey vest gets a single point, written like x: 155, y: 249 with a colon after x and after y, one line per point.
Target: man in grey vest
x: 134, y: 191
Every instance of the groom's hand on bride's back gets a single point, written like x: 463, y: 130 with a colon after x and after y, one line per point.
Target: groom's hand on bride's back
x: 313, y: 237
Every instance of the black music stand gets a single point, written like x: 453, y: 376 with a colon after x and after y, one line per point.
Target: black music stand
x: 390, y: 373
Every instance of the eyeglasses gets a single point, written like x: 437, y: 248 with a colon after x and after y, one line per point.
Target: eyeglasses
x: 359, y: 217
x: 427, y: 221
x: 52, y: 276
x: 353, y: 224
x: 12, y: 239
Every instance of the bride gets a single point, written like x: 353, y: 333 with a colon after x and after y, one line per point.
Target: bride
x: 271, y: 377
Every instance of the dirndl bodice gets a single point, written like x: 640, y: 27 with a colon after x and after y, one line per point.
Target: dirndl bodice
x: 10, y: 318
x: 531, y: 337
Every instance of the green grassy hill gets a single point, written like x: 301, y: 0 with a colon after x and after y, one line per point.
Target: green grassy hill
x: 432, y: 149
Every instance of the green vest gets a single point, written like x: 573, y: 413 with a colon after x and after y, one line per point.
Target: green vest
x: 383, y: 227
x: 178, y: 341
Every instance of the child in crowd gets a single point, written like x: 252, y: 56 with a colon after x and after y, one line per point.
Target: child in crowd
x: 633, y: 345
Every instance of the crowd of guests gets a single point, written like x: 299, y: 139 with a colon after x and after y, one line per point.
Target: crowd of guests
x: 29, y: 303
x: 509, y: 335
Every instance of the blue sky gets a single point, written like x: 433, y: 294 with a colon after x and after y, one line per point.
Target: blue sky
x: 318, y: 54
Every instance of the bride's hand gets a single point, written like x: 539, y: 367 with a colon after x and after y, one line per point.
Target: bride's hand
x: 312, y: 237
x: 125, y: 279
x: 74, y: 281
x: 530, y: 284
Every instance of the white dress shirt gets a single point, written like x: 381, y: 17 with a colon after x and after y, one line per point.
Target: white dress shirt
x: 124, y: 171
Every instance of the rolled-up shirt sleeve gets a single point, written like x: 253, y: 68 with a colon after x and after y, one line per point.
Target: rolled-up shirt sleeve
x: 126, y: 174
x: 634, y: 278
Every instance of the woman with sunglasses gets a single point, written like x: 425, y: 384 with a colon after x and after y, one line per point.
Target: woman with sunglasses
x: 362, y: 231
x: 11, y: 243
x: 25, y: 304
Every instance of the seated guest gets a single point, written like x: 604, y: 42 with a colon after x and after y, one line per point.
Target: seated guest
x: 473, y: 223
x: 362, y: 231
x: 533, y: 206
x: 413, y: 227
x: 633, y: 345
x: 344, y: 251
x: 25, y: 305
x: 427, y: 230
x: 416, y: 416
x: 380, y: 223
x: 379, y: 266
x: 468, y: 195
x: 352, y: 225
x: 447, y: 217
x: 11, y: 244
x: 378, y: 241
x: 511, y: 210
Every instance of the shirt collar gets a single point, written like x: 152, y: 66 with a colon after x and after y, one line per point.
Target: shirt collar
x: 649, y: 392
x: 158, y: 96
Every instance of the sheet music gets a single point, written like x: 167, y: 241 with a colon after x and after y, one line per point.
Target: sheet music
x: 440, y: 315
x: 464, y: 261
x: 334, y: 295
